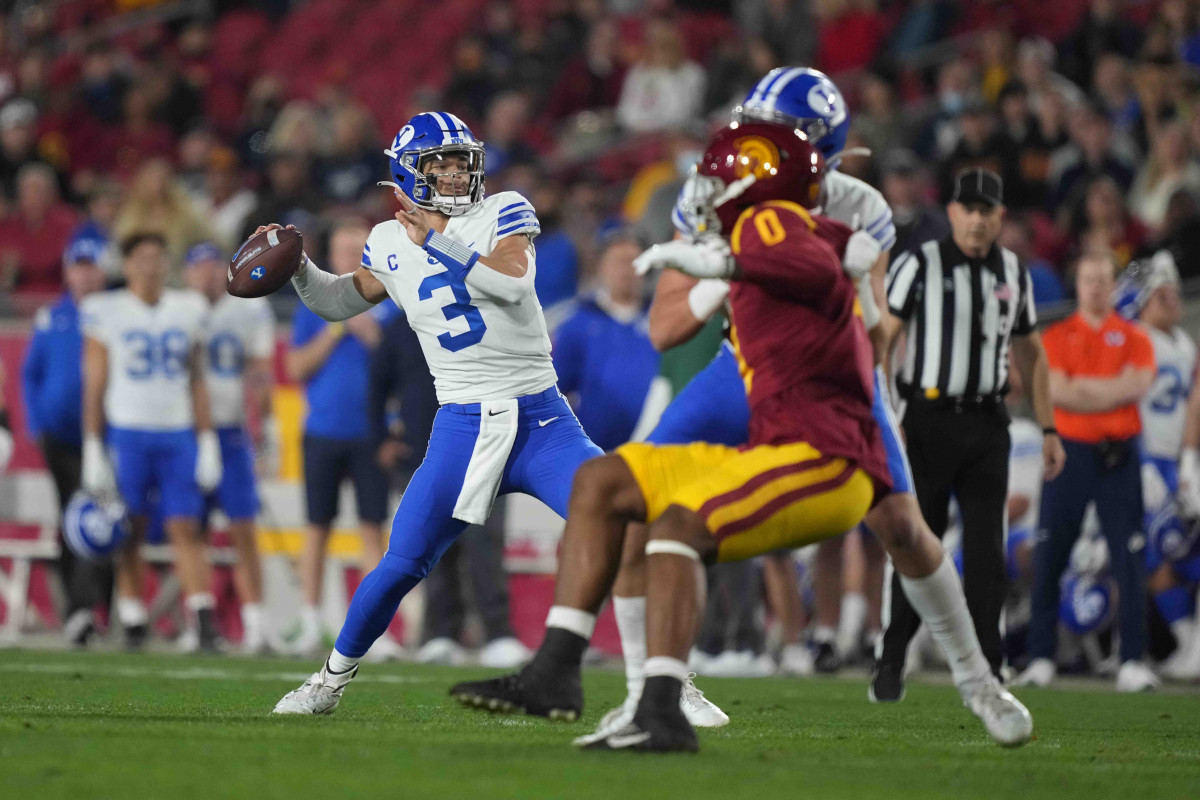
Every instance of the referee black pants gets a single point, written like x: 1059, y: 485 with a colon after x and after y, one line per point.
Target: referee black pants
x: 961, y: 450
x: 86, y: 583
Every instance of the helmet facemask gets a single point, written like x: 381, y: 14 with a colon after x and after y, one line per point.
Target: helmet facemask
x: 425, y: 193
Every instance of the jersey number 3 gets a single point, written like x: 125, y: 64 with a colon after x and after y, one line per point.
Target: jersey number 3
x: 460, y: 308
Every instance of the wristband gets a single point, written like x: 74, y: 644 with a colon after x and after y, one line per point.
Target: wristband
x: 866, y: 301
x: 706, y: 297
x: 455, y: 255
x: 1051, y: 430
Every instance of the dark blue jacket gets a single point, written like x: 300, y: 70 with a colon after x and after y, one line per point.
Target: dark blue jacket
x: 52, y: 376
x: 609, y: 366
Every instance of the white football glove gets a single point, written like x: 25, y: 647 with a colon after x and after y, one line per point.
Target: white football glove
x: 1154, y: 488
x: 208, y: 461
x: 862, y: 251
x: 6, y: 447
x: 97, y: 472
x: 1189, y: 482
x: 706, y: 258
x: 270, y: 449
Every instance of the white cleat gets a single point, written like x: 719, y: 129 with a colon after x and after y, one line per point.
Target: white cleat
x: 1134, y: 676
x: 699, y: 710
x: 444, y: 651
x: 1007, y: 721
x: 796, y: 659
x: 188, y: 641
x: 610, y: 723
x: 1040, y: 673
x: 507, y: 652
x: 320, y: 694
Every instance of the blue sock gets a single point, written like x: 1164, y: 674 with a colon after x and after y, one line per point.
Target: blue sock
x: 1174, y: 604
x: 375, y: 603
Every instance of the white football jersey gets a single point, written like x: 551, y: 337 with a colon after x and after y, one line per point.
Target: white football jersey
x: 1164, y: 407
x: 859, y: 205
x: 477, y: 347
x: 1025, y: 468
x: 239, y: 329
x: 149, y: 348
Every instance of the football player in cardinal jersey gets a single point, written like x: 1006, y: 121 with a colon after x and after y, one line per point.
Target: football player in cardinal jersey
x: 812, y: 467
x: 461, y: 265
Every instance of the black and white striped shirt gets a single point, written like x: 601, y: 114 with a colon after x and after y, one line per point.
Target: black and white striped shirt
x: 961, y: 314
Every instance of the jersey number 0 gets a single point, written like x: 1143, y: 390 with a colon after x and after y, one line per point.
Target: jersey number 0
x: 460, y: 308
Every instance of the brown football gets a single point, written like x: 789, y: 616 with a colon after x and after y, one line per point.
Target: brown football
x: 264, y: 263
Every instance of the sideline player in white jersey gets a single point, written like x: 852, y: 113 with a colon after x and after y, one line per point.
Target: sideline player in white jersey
x: 1151, y: 292
x: 714, y: 406
x: 144, y: 390
x: 461, y: 266
x: 240, y: 342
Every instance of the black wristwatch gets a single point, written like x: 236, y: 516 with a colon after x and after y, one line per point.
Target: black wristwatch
x: 1050, y: 431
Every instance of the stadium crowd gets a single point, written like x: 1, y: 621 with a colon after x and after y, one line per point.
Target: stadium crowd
x: 200, y: 128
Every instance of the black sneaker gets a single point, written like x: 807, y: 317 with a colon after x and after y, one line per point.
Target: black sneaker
x: 666, y: 731
x: 210, y: 640
x: 825, y: 659
x: 557, y: 696
x: 135, y: 637
x: 887, y: 684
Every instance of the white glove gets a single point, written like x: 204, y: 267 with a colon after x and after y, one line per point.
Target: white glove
x: 270, y: 448
x: 1189, y: 482
x: 862, y: 251
x: 6, y: 447
x: 1154, y: 488
x: 97, y: 472
x: 706, y: 258
x: 208, y: 461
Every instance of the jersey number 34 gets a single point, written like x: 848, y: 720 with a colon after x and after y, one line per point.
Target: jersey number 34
x: 460, y: 308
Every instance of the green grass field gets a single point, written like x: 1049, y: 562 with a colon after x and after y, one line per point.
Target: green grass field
x: 95, y: 725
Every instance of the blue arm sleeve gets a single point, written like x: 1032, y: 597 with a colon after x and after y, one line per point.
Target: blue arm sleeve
x: 33, y: 375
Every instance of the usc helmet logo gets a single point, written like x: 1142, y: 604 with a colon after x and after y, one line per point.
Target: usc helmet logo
x: 755, y: 155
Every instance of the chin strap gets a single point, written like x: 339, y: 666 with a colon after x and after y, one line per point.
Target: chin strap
x: 834, y: 160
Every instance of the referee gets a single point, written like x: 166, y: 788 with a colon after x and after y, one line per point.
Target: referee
x: 965, y: 303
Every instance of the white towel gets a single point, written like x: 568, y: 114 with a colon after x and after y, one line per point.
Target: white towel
x: 497, y: 432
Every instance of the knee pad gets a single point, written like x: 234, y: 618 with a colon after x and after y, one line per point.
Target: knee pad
x: 672, y: 547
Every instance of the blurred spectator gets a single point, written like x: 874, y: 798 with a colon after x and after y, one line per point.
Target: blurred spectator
x: 100, y: 217
x: 34, y: 235
x: 1023, y: 150
x: 663, y: 89
x: 789, y: 29
x: 503, y: 129
x: 1156, y: 85
x: 1016, y: 235
x: 905, y: 186
x: 223, y: 200
x: 939, y: 133
x: 557, y: 275
x: 849, y: 33
x: 1103, y: 29
x: 1181, y: 233
x: 1103, y: 225
x: 471, y: 85
x: 297, y: 129
x: 18, y: 145
x: 1112, y: 90
x: 1168, y: 169
x: 354, y: 161
x: 154, y: 204
x: 602, y: 352
x: 52, y: 383
x: 1090, y: 155
x: 140, y: 138
x: 195, y: 147
x: 878, y: 118
x: 264, y: 100
x: 289, y: 197
x: 102, y: 82
x: 333, y: 360
x: 1035, y: 68
x: 655, y: 188
x: 733, y: 71
x: 976, y: 147
x: 996, y: 63
x: 590, y: 80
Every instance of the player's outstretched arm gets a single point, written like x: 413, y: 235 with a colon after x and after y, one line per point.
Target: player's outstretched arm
x: 682, y: 304
x: 333, y: 297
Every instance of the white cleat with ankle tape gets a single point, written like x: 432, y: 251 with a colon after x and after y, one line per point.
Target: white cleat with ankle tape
x: 699, y: 710
x: 320, y: 694
x: 1007, y: 721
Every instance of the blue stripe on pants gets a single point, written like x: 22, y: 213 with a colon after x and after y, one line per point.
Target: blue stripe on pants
x: 1118, y: 496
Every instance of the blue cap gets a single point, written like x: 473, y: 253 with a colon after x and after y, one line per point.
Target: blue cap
x: 84, y: 248
x: 205, y: 251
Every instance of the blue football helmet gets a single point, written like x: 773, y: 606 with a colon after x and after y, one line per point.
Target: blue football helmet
x: 1141, y: 278
x: 804, y: 99
x: 95, y: 527
x: 429, y: 137
x: 1171, y: 533
x: 1087, y: 604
